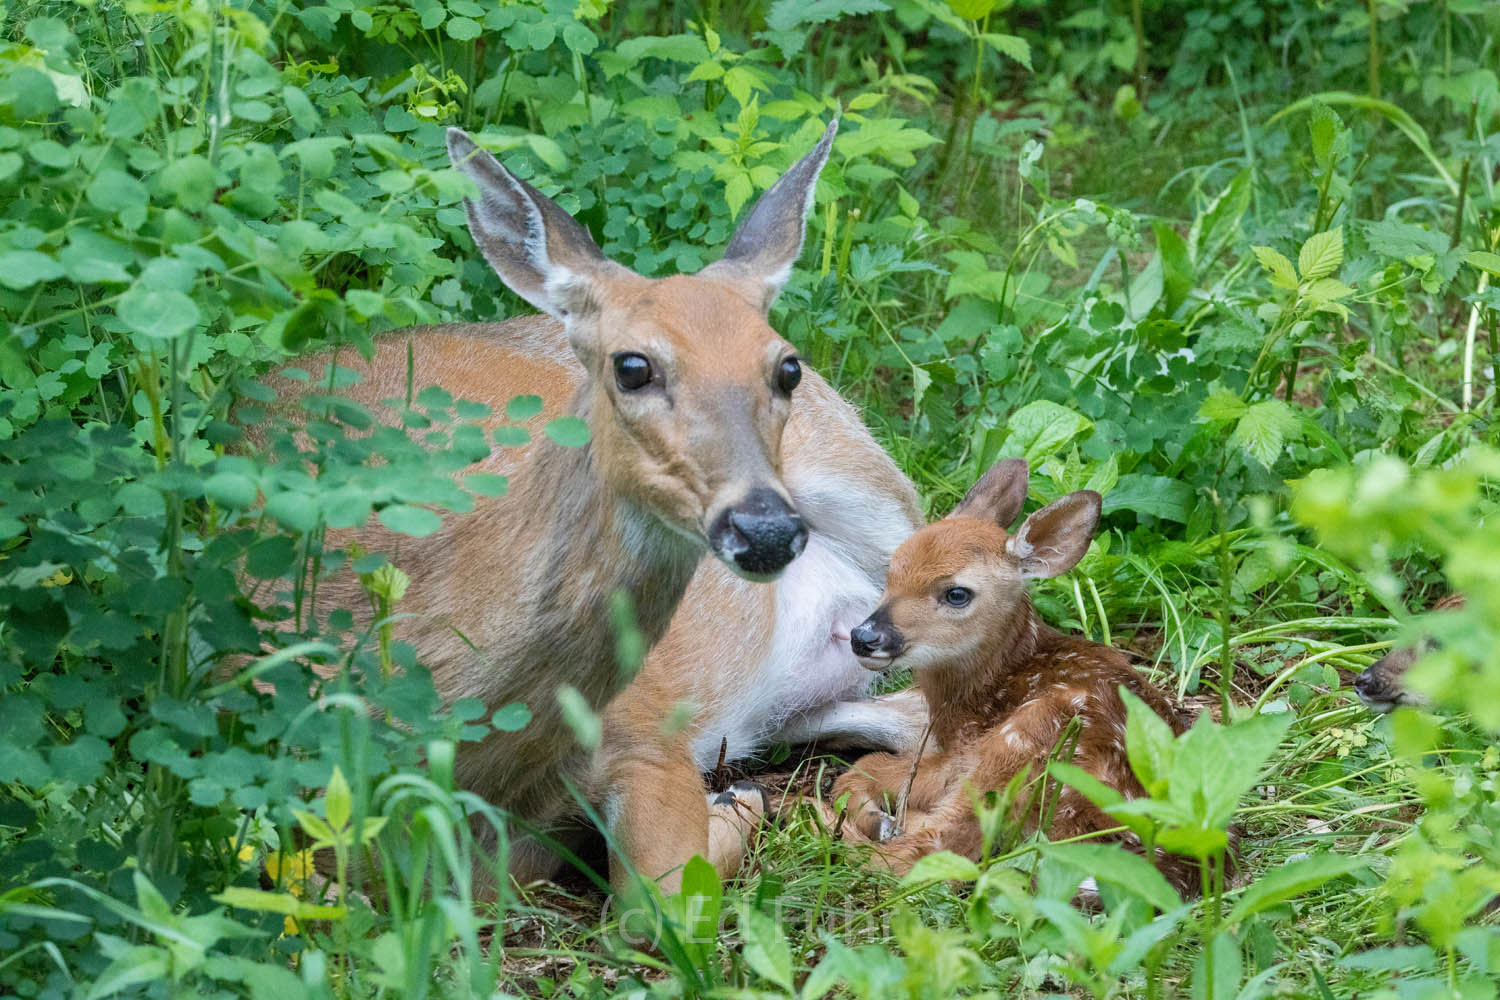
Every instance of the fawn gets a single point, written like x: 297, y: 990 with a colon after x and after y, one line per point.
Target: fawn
x: 1002, y: 685
x: 707, y: 435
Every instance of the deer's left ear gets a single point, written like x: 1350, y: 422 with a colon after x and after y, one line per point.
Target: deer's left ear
x: 768, y: 242
x: 1052, y: 540
x: 999, y: 495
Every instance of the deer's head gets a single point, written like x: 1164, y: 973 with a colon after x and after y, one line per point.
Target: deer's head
x: 958, y: 586
x: 688, y: 387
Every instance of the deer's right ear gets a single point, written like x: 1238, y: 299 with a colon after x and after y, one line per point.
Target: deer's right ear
x: 539, y: 251
x: 1054, y: 538
x: 768, y: 242
x: 999, y: 495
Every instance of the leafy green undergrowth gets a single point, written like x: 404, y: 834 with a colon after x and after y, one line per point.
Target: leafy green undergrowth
x: 1244, y: 291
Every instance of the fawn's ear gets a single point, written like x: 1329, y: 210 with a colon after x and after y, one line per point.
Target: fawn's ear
x: 1054, y: 538
x: 999, y: 495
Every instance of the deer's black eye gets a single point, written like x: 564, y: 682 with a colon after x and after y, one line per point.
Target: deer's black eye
x: 957, y: 597
x: 632, y: 371
x: 788, y: 374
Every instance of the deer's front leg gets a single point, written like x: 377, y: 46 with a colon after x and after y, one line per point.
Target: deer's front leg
x: 655, y: 806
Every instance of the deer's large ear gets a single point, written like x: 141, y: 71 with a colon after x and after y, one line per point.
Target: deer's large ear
x: 539, y: 251
x: 769, y: 240
x: 999, y: 495
x: 1054, y: 538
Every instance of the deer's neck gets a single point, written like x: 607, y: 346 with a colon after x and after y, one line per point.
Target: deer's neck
x: 596, y: 544
x: 973, y: 691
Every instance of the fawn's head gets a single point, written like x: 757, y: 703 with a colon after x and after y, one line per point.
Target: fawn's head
x: 959, y: 585
x: 688, y: 387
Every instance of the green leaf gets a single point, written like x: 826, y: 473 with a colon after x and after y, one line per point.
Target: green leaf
x: 1041, y: 428
x: 1263, y: 430
x: 766, y: 950
x: 1150, y: 745
x: 160, y: 313
x: 1292, y: 879
x: 1159, y: 496
x: 1484, y: 260
x: 972, y: 10
x: 486, y: 484
x: 1322, y: 254
x: 21, y: 269
x: 419, y: 522
x: 939, y: 866
x: 1013, y: 46
x: 1176, y: 265
x: 1283, y: 274
x: 231, y: 489
x: 1323, y: 126
x: 277, y: 902
x: 523, y: 408
x: 1222, y: 405
x: 512, y: 436
x: 338, y: 801
x: 702, y: 901
x: 570, y: 432
x: 587, y: 727
x: 462, y: 29
x: 298, y: 511
x: 512, y: 718
x: 785, y: 15
x: 1116, y: 866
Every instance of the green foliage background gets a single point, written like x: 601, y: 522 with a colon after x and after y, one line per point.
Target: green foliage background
x: 1229, y: 263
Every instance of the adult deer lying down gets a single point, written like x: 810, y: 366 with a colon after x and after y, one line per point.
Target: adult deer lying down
x: 706, y: 434
x: 1002, y: 684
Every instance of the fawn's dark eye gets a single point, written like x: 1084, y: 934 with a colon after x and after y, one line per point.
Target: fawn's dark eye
x: 957, y: 597
x: 632, y: 371
x: 788, y: 374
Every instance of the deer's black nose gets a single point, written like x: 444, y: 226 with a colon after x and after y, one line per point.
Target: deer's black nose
x: 759, y: 535
x: 876, y: 638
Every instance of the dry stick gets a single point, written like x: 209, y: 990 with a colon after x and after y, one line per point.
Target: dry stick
x: 911, y: 777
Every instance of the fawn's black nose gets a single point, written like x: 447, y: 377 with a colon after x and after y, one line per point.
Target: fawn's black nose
x: 759, y: 535
x: 877, y: 639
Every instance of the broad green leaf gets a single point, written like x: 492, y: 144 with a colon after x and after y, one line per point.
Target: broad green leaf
x: 939, y: 866
x: 1485, y: 261
x: 1322, y: 254
x: 1041, y: 428
x: 297, y: 511
x: 1115, y: 865
x: 973, y: 10
x: 419, y: 522
x: 512, y: 718
x: 1263, y: 429
x: 702, y: 900
x: 766, y: 950
x: 20, y: 269
x: 1222, y: 405
x: 523, y: 408
x: 1177, y: 266
x: 1323, y: 128
x: 1292, y: 879
x: 570, y: 432
x: 1149, y: 744
x: 1283, y: 274
x: 157, y: 312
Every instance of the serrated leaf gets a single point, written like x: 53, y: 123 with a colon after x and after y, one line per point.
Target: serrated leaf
x: 1116, y: 866
x: 1322, y: 254
x: 1283, y: 274
x: 1013, y: 46
x: 1263, y: 430
x: 1222, y: 405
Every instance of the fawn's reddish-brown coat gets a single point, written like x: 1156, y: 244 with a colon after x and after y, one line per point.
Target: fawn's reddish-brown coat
x: 1002, y: 685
